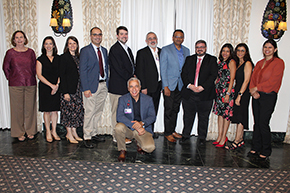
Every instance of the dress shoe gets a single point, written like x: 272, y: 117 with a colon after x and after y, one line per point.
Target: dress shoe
x: 97, y: 138
x: 127, y: 141
x: 201, y: 141
x: 155, y: 136
x: 88, y: 144
x: 170, y: 138
x: 183, y: 140
x: 140, y: 150
x: 122, y: 156
x: 176, y: 135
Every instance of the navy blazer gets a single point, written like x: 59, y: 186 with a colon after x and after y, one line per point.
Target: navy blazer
x: 148, y: 115
x: 89, y: 68
x: 207, y: 75
x: 121, y: 69
x: 146, y: 69
x: 169, y: 67
x: 69, y: 75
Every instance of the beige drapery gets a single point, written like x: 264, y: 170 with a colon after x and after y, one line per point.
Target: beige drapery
x: 20, y: 15
x: 231, y: 25
x: 107, y: 16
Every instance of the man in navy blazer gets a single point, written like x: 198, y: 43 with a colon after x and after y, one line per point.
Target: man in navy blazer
x: 94, y: 78
x: 148, y: 70
x: 135, y: 116
x: 171, y: 61
x: 198, y: 74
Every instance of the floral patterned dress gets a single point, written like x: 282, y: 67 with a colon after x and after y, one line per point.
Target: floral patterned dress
x: 72, y: 112
x: 222, y: 83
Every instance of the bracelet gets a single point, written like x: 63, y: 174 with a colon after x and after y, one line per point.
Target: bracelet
x: 228, y: 93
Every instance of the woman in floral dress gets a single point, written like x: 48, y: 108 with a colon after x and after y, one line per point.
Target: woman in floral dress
x: 223, y: 106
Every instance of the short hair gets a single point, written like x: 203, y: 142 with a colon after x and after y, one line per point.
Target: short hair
x: 227, y: 45
x: 13, y: 37
x: 121, y: 28
x: 131, y: 79
x: 200, y: 42
x: 150, y: 33
x: 95, y: 28
x: 274, y: 44
x: 178, y: 30
x: 43, y: 50
x: 66, y: 45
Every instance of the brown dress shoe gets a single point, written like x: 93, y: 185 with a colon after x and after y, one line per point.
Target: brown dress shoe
x: 176, y: 135
x: 122, y: 156
x: 170, y: 138
x: 140, y: 150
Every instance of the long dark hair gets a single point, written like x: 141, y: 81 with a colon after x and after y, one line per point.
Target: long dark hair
x: 231, y: 48
x: 274, y: 44
x: 66, y: 45
x: 247, y: 56
x: 43, y: 50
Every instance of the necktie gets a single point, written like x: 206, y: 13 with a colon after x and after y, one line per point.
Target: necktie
x: 197, y: 71
x: 101, y: 63
x: 131, y: 58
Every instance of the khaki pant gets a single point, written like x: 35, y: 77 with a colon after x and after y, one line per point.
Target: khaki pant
x: 23, y: 110
x: 145, y: 141
x: 93, y: 107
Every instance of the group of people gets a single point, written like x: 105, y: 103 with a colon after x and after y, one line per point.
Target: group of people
x: 78, y: 83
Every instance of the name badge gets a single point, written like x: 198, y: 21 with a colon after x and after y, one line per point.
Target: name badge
x: 128, y: 111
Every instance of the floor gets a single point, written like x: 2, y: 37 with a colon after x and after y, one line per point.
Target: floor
x: 166, y: 153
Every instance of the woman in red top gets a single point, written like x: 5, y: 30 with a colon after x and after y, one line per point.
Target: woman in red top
x: 264, y: 86
x: 19, y: 67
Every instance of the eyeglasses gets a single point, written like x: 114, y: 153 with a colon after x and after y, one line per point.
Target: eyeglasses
x: 180, y: 37
x: 97, y: 34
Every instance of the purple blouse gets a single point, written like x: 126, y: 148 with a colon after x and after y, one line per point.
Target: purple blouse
x: 20, y: 67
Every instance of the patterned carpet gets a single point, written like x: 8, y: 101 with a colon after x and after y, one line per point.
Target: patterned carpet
x: 18, y: 174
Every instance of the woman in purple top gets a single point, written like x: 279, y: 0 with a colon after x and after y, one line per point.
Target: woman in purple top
x: 19, y: 67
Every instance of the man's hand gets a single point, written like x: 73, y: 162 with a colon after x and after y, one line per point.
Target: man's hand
x: 256, y: 95
x: 144, y: 91
x: 138, y: 126
x: 195, y: 88
x: 87, y: 93
x: 166, y: 91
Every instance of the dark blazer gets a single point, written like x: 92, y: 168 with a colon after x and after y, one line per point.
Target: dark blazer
x: 147, y: 111
x: 207, y: 75
x: 146, y: 69
x: 89, y: 68
x: 69, y: 74
x: 121, y: 69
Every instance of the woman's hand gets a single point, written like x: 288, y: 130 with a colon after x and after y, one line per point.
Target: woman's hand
x: 238, y: 100
x: 66, y: 97
x: 54, y: 88
x: 227, y: 99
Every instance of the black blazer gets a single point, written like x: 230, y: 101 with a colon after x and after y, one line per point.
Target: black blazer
x: 207, y: 76
x: 121, y: 69
x: 69, y: 75
x: 146, y: 69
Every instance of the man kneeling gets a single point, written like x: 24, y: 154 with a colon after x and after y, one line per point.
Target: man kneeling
x: 135, y: 116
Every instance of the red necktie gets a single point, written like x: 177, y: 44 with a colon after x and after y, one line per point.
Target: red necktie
x: 101, y: 63
x: 197, y: 71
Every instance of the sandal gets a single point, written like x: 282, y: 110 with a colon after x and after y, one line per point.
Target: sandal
x: 30, y: 137
x: 21, y: 138
x: 232, y: 146
x: 241, y: 143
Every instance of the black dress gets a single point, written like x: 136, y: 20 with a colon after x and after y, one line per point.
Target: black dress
x: 50, y: 71
x: 241, y: 113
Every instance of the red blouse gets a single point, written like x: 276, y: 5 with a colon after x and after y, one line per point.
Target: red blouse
x: 20, y: 67
x: 270, y: 77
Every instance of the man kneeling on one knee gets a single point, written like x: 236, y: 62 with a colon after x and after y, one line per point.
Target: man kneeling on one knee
x: 135, y: 116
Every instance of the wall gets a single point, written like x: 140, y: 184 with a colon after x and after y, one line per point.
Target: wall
x: 280, y: 116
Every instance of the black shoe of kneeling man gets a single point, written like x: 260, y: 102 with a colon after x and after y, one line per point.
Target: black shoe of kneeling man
x: 201, y: 141
x: 88, y: 144
x: 97, y: 138
x: 184, y: 140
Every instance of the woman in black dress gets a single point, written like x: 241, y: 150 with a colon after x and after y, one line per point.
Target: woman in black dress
x: 242, y: 95
x: 47, y: 69
x: 71, y: 104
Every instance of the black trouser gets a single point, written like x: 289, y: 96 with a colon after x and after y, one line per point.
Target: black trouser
x: 262, y: 111
x: 156, y: 98
x: 171, y: 109
x: 191, y: 107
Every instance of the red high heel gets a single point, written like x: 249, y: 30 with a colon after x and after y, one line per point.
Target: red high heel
x: 216, y: 142
x: 222, y: 145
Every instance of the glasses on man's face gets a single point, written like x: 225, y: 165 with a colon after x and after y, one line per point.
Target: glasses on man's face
x: 199, y: 47
x: 97, y: 35
x: 150, y: 39
x: 178, y: 37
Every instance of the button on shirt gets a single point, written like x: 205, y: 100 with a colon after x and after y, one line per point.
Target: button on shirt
x: 156, y: 59
x: 96, y: 51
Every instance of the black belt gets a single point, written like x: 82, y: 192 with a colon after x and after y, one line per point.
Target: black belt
x: 102, y: 81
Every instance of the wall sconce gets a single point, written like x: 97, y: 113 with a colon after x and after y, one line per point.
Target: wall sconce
x: 61, y: 17
x: 274, y: 20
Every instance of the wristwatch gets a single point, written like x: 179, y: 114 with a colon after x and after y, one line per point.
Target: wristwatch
x: 241, y: 94
x: 228, y: 93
